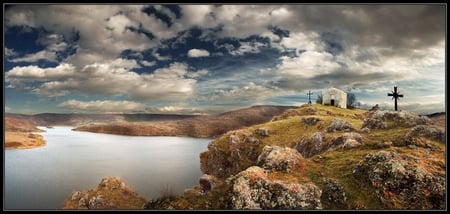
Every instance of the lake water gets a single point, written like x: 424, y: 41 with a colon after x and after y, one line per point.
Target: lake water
x: 42, y: 178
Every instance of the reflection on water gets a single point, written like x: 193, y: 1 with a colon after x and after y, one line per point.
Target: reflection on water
x: 42, y: 178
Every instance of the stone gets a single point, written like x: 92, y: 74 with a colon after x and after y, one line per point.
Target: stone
x: 279, y: 158
x: 208, y: 182
x: 252, y: 189
x: 339, y: 125
x: 262, y: 132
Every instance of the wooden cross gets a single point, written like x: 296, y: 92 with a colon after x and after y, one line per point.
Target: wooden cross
x: 395, y: 95
x: 309, y: 95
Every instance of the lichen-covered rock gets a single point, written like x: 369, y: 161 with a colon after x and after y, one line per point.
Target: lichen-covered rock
x: 279, y: 158
x: 252, y: 189
x: 334, y: 194
x: 401, y: 182
x: 318, y: 143
x: 223, y: 160
x: 432, y: 132
x: 346, y: 140
x: 394, y: 119
x: 311, y: 146
x: 111, y: 193
x: 340, y: 125
x: 310, y: 121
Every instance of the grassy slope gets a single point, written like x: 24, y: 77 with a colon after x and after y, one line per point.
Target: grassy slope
x: 333, y: 164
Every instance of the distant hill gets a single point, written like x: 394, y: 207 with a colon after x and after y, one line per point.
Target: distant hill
x: 438, y: 118
x: 159, y: 124
x: 184, y: 125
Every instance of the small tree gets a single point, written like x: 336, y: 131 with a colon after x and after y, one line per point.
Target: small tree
x: 319, y: 99
x: 351, y: 100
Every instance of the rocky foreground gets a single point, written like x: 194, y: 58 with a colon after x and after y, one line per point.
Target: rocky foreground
x: 321, y: 158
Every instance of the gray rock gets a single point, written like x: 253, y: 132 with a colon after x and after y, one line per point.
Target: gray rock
x: 339, y: 125
x: 313, y: 145
x: 346, y: 140
x: 262, y: 132
x: 398, y: 177
x: 334, y: 194
x: 432, y: 132
x: 252, y: 189
x: 279, y: 159
x: 393, y: 119
x: 310, y: 121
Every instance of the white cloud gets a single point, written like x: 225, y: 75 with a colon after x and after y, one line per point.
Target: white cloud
x: 147, y: 63
x: 198, y: 53
x: 10, y: 52
x: 53, y: 42
x: 103, y: 106
x: 308, y: 64
x: 308, y: 41
x: 102, y: 30
x: 34, y: 73
x: 41, y: 55
x: 113, y: 79
x: 248, y: 47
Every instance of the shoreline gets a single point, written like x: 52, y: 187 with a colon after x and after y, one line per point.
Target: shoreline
x: 23, y: 140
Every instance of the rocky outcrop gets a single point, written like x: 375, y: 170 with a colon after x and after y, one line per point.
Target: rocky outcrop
x: 393, y: 119
x: 279, y: 158
x: 334, y: 194
x: 317, y: 143
x: 401, y: 182
x: 310, y: 121
x: 111, y: 193
x: 252, y: 189
x: 311, y: 146
x: 340, y: 125
x: 225, y: 160
x: 346, y: 141
x: 432, y: 132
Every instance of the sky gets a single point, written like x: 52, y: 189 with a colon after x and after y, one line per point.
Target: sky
x: 208, y: 59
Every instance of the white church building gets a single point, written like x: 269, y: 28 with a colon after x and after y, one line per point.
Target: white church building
x: 335, y: 97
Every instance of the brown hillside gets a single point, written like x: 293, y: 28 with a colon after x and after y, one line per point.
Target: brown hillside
x: 18, y: 134
x: 198, y: 126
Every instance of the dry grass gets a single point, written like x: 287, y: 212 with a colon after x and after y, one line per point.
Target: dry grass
x: 23, y: 140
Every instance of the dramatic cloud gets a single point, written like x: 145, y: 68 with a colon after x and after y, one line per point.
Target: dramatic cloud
x: 34, y: 73
x: 104, y: 106
x: 198, y: 53
x: 211, y: 57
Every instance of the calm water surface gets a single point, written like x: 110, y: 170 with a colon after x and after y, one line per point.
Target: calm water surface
x: 42, y: 178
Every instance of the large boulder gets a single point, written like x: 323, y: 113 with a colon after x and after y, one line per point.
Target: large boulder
x: 313, y: 145
x: 280, y: 158
x: 404, y: 181
x: 433, y: 132
x: 252, y: 189
x: 238, y: 152
x: 346, y: 141
x: 340, y: 125
x: 317, y: 143
x: 393, y: 119
x: 333, y: 193
x: 111, y: 193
